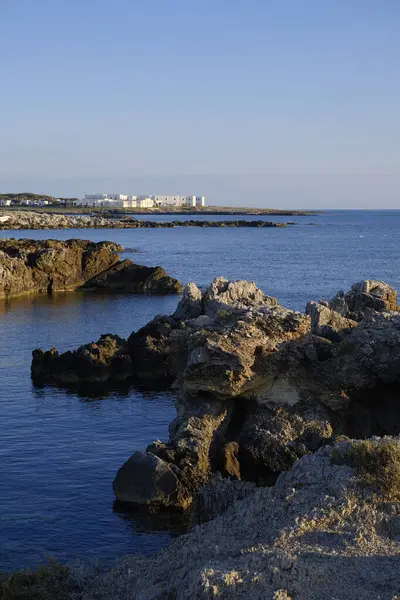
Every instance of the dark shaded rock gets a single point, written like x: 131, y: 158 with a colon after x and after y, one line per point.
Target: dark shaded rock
x: 153, y: 353
x: 105, y: 360
x: 126, y: 276
x: 146, y: 479
x: 272, y: 438
x: 217, y: 496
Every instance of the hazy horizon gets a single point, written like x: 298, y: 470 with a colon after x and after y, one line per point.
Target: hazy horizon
x: 251, y: 103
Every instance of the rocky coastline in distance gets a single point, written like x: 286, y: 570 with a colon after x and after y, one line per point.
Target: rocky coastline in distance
x: 273, y: 447
x: 41, y: 220
x: 50, y: 266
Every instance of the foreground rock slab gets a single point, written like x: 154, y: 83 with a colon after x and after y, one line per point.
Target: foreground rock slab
x: 48, y: 266
x: 325, y: 530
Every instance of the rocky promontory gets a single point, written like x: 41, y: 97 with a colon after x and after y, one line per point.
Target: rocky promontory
x: 41, y: 220
x: 48, y: 266
x: 258, y: 386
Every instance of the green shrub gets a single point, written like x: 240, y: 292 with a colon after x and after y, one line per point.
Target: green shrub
x: 376, y: 464
x: 46, y: 582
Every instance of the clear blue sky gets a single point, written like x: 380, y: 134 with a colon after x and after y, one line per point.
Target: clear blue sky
x: 258, y: 102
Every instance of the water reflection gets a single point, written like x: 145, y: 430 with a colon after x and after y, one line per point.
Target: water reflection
x: 140, y: 520
x: 89, y: 392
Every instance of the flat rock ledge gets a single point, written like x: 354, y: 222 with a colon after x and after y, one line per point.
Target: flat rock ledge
x: 48, y: 266
x: 324, y: 530
x: 41, y: 220
x: 258, y: 386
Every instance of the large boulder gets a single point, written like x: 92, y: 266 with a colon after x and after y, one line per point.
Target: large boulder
x: 146, y: 479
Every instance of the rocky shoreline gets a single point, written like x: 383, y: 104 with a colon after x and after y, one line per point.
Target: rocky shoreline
x: 39, y: 220
x: 285, y: 447
x: 258, y: 386
x: 49, y: 266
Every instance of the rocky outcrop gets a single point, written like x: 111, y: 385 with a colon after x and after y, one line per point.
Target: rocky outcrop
x: 324, y: 530
x: 363, y: 298
x: 107, y: 359
x: 42, y: 220
x: 48, y: 266
x: 126, y: 276
x: 259, y: 386
x: 34, y: 266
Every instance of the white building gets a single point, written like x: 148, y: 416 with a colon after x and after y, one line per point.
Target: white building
x: 105, y: 200
x: 5, y: 202
x: 141, y: 201
x: 191, y: 201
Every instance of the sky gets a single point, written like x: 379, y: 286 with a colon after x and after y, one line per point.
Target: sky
x: 281, y: 103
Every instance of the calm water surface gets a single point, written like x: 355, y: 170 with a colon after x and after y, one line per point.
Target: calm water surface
x: 60, y: 451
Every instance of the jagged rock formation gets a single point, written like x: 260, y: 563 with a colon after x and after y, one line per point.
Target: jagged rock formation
x: 325, y: 530
x: 48, y: 266
x: 258, y: 386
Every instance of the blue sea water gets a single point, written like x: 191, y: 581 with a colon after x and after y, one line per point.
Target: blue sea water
x: 59, y: 451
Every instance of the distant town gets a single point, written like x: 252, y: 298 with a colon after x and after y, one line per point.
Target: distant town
x: 106, y: 201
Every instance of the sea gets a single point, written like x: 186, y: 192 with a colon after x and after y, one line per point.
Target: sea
x: 59, y: 451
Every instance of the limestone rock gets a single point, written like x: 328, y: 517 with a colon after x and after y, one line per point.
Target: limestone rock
x: 326, y: 322
x: 223, y: 295
x: 190, y: 305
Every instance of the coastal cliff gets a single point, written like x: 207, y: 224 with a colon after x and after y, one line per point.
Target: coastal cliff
x: 49, y: 266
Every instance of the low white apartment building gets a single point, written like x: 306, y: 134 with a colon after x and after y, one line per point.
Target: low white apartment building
x: 177, y: 201
x: 5, y: 202
x: 141, y: 201
x: 105, y: 200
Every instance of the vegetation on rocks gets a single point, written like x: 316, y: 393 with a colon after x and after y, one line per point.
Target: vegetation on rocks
x: 376, y: 464
x: 46, y: 582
